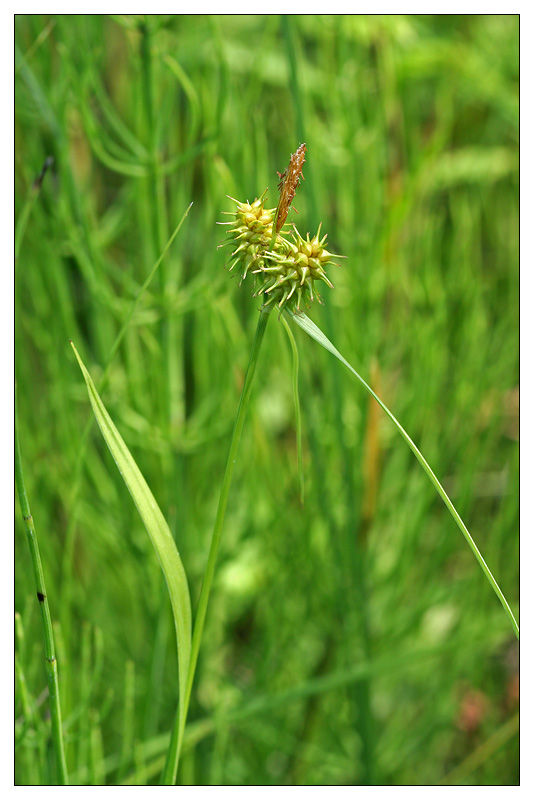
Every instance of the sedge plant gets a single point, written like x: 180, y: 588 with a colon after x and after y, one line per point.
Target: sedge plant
x: 284, y: 268
x: 286, y: 271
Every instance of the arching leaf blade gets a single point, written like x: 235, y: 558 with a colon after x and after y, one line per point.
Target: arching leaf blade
x: 155, y: 523
x: 316, y: 333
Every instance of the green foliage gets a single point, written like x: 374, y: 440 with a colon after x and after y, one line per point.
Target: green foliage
x: 352, y: 640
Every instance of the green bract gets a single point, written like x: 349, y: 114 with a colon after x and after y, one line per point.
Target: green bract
x: 284, y: 269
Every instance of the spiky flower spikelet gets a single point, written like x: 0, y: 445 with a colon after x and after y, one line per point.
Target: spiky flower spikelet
x: 284, y: 270
x: 290, y: 271
x: 252, y: 232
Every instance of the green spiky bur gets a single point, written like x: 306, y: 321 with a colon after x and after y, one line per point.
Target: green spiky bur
x: 284, y: 270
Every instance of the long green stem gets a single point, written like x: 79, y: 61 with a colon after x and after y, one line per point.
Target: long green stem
x: 156, y: 204
x: 157, y: 217
x: 50, y: 652
x: 171, y: 766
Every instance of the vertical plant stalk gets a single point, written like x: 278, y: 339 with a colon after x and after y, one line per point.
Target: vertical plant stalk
x: 156, y: 200
x: 173, y: 755
x: 157, y: 219
x: 50, y: 651
x: 128, y: 730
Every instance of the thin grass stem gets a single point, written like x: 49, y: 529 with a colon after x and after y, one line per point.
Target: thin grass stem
x: 127, y: 720
x: 171, y: 766
x: 50, y: 652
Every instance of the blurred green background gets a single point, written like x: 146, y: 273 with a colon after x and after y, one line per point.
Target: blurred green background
x: 354, y: 640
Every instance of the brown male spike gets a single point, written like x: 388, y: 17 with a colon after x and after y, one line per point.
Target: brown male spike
x: 289, y: 181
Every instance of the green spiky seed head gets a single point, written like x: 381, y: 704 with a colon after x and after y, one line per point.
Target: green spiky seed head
x: 289, y: 272
x: 251, y: 232
x: 284, y: 270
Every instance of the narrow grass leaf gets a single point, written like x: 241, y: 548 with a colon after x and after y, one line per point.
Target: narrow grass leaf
x: 156, y: 526
x: 316, y: 333
x: 298, y: 419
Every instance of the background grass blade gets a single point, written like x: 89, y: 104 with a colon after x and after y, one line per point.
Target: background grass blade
x: 156, y: 526
x: 312, y: 330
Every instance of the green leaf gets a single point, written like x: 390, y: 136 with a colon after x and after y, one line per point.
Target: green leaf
x: 156, y: 526
x: 316, y: 333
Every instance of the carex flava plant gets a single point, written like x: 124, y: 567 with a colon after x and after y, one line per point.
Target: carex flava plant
x: 283, y: 269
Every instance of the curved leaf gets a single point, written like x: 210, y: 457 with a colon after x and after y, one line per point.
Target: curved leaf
x: 156, y: 526
x: 316, y: 333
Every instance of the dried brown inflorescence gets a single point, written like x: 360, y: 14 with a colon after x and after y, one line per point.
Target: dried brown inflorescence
x: 289, y: 181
